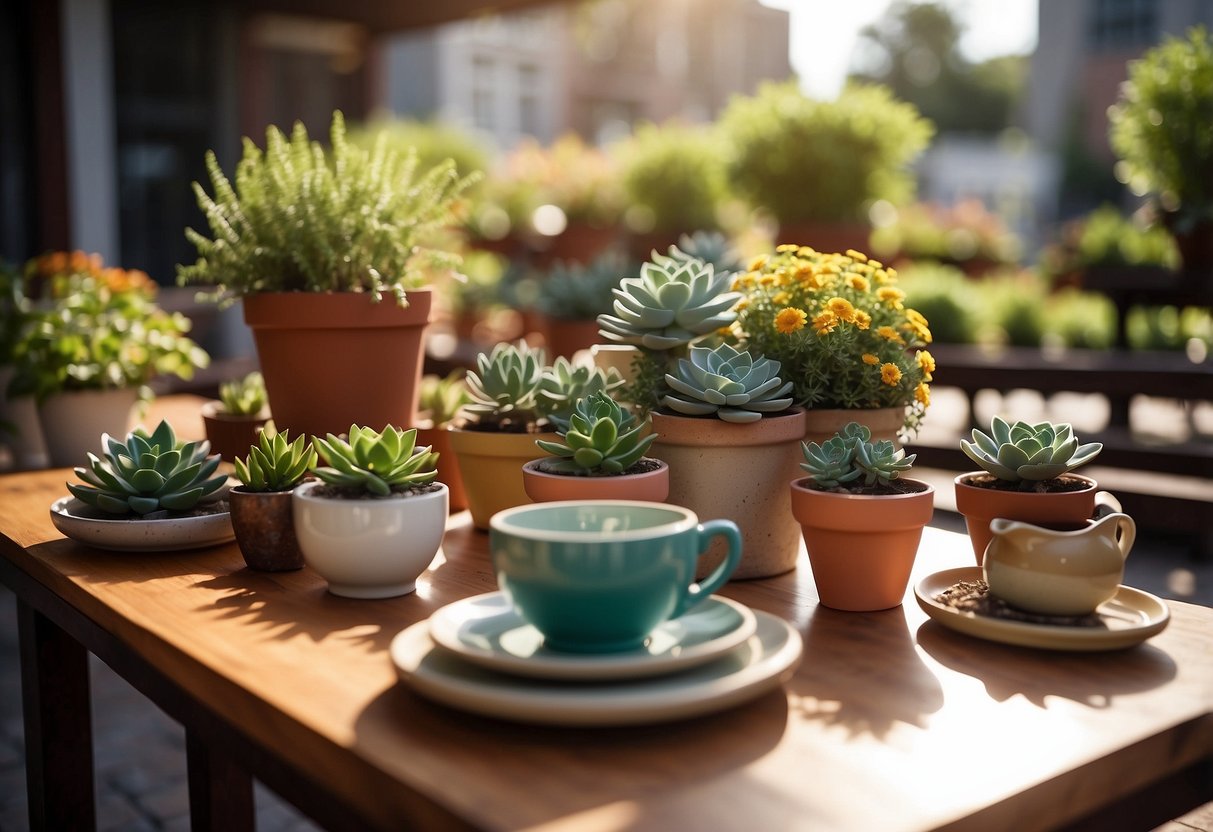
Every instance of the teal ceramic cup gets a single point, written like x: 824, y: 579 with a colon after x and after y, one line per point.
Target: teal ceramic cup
x: 599, y: 577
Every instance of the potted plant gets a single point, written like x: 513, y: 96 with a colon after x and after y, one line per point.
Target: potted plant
x: 843, y: 334
x: 600, y: 457
x: 375, y: 520
x: 727, y: 428
x: 19, y: 428
x: 327, y: 250
x: 261, y: 506
x: 861, y: 520
x: 234, y: 420
x: 1159, y: 129
x: 571, y: 296
x: 514, y: 395
x: 817, y: 165
x: 93, y: 338
x: 440, y: 402
x: 1026, y: 476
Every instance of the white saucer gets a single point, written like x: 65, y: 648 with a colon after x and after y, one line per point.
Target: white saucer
x: 486, y: 630
x: 1129, y: 618
x: 761, y: 663
x: 170, y: 534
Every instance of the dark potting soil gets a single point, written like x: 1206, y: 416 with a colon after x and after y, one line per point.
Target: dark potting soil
x: 642, y: 466
x: 975, y: 597
x: 894, y: 488
x: 333, y: 492
x: 1056, y: 485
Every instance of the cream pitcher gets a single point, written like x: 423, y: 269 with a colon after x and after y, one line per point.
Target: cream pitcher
x: 1055, y: 572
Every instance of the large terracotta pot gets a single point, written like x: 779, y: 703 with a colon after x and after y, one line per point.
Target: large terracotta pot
x: 439, y: 440
x: 231, y: 436
x: 739, y: 472
x: 265, y: 529
x: 981, y: 505
x: 566, y: 337
x: 491, y: 467
x: 542, y: 487
x: 333, y: 359
x: 72, y: 422
x: 821, y: 424
x: 861, y: 547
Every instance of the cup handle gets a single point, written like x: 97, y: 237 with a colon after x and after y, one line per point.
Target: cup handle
x: 1106, y: 504
x: 698, y: 591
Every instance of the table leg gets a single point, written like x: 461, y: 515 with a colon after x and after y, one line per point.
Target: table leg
x: 221, y: 792
x: 58, y: 724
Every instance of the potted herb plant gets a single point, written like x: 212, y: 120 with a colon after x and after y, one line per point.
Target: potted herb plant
x: 861, y: 519
x: 93, y: 338
x: 600, y: 456
x: 441, y: 400
x: 327, y: 250
x: 375, y: 520
x: 844, y: 335
x: 1026, y: 476
x: 234, y: 420
x: 262, y: 506
x: 727, y: 427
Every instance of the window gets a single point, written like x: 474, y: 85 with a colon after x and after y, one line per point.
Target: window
x: 1124, y: 24
x: 483, y: 100
x: 528, y: 100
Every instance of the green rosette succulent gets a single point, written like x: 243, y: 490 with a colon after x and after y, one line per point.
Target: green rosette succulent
x: 727, y: 383
x: 576, y: 292
x: 564, y: 385
x: 504, y: 387
x: 671, y: 302
x: 1028, y: 453
x: 710, y: 247
x: 441, y: 397
x: 850, y: 455
x: 275, y: 463
x: 148, y: 473
x: 244, y: 396
x: 376, y: 463
x: 602, y: 438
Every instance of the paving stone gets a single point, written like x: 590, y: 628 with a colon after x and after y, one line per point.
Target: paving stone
x: 116, y: 813
x: 166, y: 802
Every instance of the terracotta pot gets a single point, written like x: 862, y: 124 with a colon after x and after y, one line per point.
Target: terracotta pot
x: 439, y: 441
x: 265, y: 529
x: 231, y: 436
x: 580, y: 242
x: 371, y: 548
x: 542, y: 487
x: 333, y: 359
x: 491, y: 467
x: 861, y: 547
x: 72, y: 422
x: 981, y: 505
x: 566, y: 337
x: 740, y: 472
x: 884, y: 423
x: 826, y: 237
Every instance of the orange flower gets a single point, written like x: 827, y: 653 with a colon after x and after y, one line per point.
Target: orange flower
x: 890, y: 334
x: 870, y: 359
x: 842, y: 308
x: 825, y: 322
x: 790, y: 319
x: 890, y: 374
x: 922, y: 394
x: 927, y: 362
x: 862, y: 319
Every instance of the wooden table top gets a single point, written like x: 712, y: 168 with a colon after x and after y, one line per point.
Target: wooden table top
x: 891, y: 721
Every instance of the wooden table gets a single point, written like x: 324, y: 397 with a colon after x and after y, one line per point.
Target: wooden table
x: 891, y: 722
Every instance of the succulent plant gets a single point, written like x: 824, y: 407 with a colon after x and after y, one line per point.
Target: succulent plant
x: 671, y: 302
x: 576, y: 292
x: 148, y: 474
x: 710, y: 247
x: 849, y: 455
x: 504, y: 388
x: 275, y: 463
x: 245, y: 396
x: 602, y: 437
x: 727, y: 383
x: 376, y: 462
x: 442, y: 397
x: 564, y: 384
x: 1028, y: 453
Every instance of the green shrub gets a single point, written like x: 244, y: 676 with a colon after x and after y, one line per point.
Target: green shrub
x: 946, y: 298
x: 673, y: 175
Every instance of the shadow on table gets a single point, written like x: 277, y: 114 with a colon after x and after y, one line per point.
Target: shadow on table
x: 861, y: 671
x: 1092, y: 679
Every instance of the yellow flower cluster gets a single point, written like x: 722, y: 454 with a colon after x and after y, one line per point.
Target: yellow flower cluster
x: 840, y: 327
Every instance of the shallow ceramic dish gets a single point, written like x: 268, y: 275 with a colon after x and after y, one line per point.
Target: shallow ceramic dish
x: 1129, y: 618
x: 759, y: 664
x: 172, y: 534
x: 486, y: 630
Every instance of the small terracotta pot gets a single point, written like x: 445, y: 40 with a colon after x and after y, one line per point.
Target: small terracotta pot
x: 491, y: 467
x: 231, y: 436
x: 884, y: 423
x: 981, y: 505
x: 542, y: 487
x: 566, y: 337
x: 439, y: 440
x: 861, y: 547
x: 265, y: 529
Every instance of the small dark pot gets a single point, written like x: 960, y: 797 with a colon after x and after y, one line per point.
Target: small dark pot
x: 265, y: 529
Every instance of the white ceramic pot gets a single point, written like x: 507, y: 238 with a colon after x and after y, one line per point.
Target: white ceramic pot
x: 19, y: 427
x: 373, y: 548
x: 72, y: 422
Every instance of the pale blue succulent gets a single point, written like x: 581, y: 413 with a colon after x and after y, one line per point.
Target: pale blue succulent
x: 1027, y: 453
x: 850, y: 455
x: 727, y: 383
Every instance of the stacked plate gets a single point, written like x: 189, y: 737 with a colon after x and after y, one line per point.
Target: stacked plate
x: 478, y: 655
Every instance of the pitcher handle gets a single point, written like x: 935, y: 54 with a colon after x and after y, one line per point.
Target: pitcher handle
x: 1106, y: 504
x: 1126, y: 533
x: 701, y: 590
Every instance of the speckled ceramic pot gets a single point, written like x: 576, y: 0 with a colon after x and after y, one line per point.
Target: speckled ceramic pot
x: 741, y: 472
x: 265, y: 529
